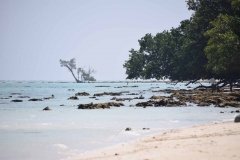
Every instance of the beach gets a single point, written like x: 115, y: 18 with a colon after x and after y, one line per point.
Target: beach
x: 208, y: 141
x: 70, y: 129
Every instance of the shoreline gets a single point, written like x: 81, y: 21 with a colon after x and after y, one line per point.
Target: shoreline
x: 206, y: 141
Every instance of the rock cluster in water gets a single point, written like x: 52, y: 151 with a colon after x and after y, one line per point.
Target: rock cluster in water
x: 99, y: 105
x: 108, y: 93
x: 82, y: 94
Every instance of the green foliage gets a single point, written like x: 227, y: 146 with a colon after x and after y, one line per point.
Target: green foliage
x: 223, y: 49
x: 206, y: 45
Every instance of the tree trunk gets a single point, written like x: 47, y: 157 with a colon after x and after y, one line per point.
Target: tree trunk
x: 74, y: 75
x: 231, y: 85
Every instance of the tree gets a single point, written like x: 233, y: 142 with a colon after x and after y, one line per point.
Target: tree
x: 205, y: 46
x: 71, y: 65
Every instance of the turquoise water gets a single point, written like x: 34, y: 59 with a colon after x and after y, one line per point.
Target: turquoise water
x: 65, y: 132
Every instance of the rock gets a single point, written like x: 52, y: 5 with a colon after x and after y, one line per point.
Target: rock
x: 102, y: 86
x: 73, y: 98
x: 237, y: 118
x: 23, y: 97
x: 35, y: 99
x: 203, y: 104
x: 82, y: 94
x: 160, y: 103
x: 92, y: 97
x: 237, y: 111
x: 141, y: 97
x: 62, y: 105
x: 15, y: 93
x: 115, y: 104
x: 146, y: 128
x: 70, y: 89
x: 108, y: 93
x: 46, y: 109
x: 93, y: 106
x: 144, y: 104
x: 157, y: 97
x: 133, y: 94
x: 221, y: 112
x: 128, y: 129
x: 49, y: 97
x: 16, y: 100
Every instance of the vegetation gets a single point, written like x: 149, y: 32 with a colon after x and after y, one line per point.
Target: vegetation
x: 84, y: 75
x: 202, y: 47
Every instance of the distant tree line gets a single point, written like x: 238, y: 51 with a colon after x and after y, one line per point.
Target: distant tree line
x: 206, y: 45
x: 82, y: 75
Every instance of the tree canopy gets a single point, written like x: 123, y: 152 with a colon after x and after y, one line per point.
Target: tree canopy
x: 85, y: 75
x: 204, y: 46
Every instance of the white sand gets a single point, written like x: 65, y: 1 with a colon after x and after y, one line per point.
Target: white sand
x: 212, y: 141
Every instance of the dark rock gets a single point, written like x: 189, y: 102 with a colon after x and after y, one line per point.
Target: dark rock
x: 35, y: 99
x: 109, y: 94
x: 93, y: 106
x: 62, y: 105
x: 102, y: 86
x: 15, y: 93
x: 237, y: 111
x: 46, y: 109
x: 133, y: 94
x: 82, y: 94
x: 128, y: 129
x: 92, y: 97
x: 49, y: 97
x: 73, y: 98
x: 23, y: 97
x: 115, y: 104
x: 203, y: 104
x: 141, y: 97
x: 237, y: 118
x: 146, y: 128
x: 71, y: 90
x: 16, y: 100
x: 221, y: 112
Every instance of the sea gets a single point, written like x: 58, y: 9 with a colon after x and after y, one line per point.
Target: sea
x: 66, y: 132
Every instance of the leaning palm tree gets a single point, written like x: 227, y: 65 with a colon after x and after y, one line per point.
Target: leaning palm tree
x: 85, y: 75
x: 70, y: 65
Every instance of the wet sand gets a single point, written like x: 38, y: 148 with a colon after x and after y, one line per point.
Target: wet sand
x: 211, y: 141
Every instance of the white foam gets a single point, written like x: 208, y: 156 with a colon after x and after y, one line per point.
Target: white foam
x: 61, y: 146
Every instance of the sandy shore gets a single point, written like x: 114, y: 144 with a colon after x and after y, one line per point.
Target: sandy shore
x: 211, y: 141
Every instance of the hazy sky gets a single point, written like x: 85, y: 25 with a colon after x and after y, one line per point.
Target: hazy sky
x: 35, y: 34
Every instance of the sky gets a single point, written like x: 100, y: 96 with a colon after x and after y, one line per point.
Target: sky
x: 36, y: 34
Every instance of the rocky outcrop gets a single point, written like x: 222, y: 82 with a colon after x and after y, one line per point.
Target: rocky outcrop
x: 115, y: 104
x: 128, y: 129
x: 23, y: 97
x: 35, y: 99
x: 100, y: 105
x: 93, y: 106
x: 121, y: 99
x: 82, y: 94
x: 133, y: 94
x: 237, y: 119
x: 206, y: 98
x: 109, y: 94
x: 46, y: 109
x: 16, y: 100
x: 162, y: 103
x: 73, y: 98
